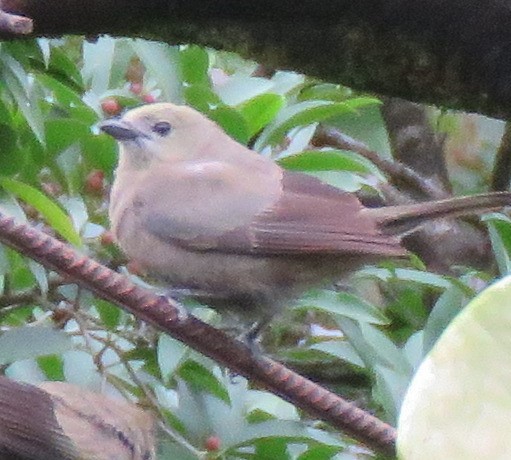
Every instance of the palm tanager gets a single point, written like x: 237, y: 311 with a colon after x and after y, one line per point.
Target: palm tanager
x: 200, y: 212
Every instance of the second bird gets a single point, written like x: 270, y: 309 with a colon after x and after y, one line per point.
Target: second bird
x: 200, y: 212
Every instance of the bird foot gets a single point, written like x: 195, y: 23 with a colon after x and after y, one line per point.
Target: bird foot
x: 182, y: 312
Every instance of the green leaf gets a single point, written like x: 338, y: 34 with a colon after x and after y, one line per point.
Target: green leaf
x: 18, y: 84
x: 390, y: 388
x: 201, y: 97
x: 328, y: 160
x: 272, y: 405
x: 366, y: 126
x: 30, y: 342
x: 162, y: 62
x: 68, y: 99
x: 319, y: 452
x: 126, y: 102
x: 53, y: 214
x: 5, y: 113
x: 194, y: 64
x: 373, y: 346
x: 284, y: 430
x: 5, y: 266
x: 361, y: 102
x: 345, y: 304
x: 459, y: 403
x: 499, y: 228
x: 79, y: 366
x: 26, y: 52
x: 63, y: 132
x: 67, y: 165
x: 18, y: 317
x: 416, y: 276
x: 147, y: 356
x: 325, y: 92
x: 100, y: 152
x: 20, y: 277
x: 76, y: 210
x: 240, y: 88
x: 168, y: 449
x: 44, y: 46
x: 170, y: 355
x: 98, y: 60
x: 301, y: 114
x: 232, y: 122
x: 12, y: 157
x: 445, y: 309
x: 52, y: 366
x: 110, y: 314
x: 274, y: 448
x: 40, y: 275
x: 339, y: 349
x: 260, y: 110
x: 64, y: 69
x: 286, y: 82
x: 10, y: 206
x: 200, y: 378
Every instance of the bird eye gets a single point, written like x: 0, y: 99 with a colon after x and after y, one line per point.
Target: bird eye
x: 162, y: 128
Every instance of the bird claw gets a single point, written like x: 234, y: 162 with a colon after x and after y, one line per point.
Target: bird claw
x: 182, y: 312
x: 251, y: 337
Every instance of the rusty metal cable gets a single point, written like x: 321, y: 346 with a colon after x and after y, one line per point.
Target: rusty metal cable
x: 164, y: 314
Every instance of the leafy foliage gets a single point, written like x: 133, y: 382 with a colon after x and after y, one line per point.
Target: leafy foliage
x: 55, y: 172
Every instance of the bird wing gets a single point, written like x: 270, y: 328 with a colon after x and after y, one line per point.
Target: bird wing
x: 302, y: 215
x: 29, y: 427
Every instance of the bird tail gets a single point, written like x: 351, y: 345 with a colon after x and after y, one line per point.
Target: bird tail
x: 404, y: 218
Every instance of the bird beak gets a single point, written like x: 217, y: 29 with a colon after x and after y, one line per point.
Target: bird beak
x: 119, y: 129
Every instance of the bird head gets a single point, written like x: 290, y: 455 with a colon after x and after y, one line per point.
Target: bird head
x: 160, y: 132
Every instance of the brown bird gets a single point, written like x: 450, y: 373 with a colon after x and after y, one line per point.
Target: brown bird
x: 59, y: 421
x: 203, y: 213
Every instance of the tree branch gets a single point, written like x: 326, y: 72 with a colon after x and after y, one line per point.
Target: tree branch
x: 164, y: 314
x: 14, y: 24
x: 415, y: 144
x: 452, y: 53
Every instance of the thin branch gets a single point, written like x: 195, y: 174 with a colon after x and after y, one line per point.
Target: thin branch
x: 10, y: 299
x: 442, y: 244
x: 396, y: 172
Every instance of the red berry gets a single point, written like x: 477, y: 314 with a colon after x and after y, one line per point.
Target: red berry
x: 148, y: 98
x: 107, y: 238
x: 61, y: 316
x: 136, y: 88
x: 212, y: 443
x: 95, y: 182
x: 110, y: 106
